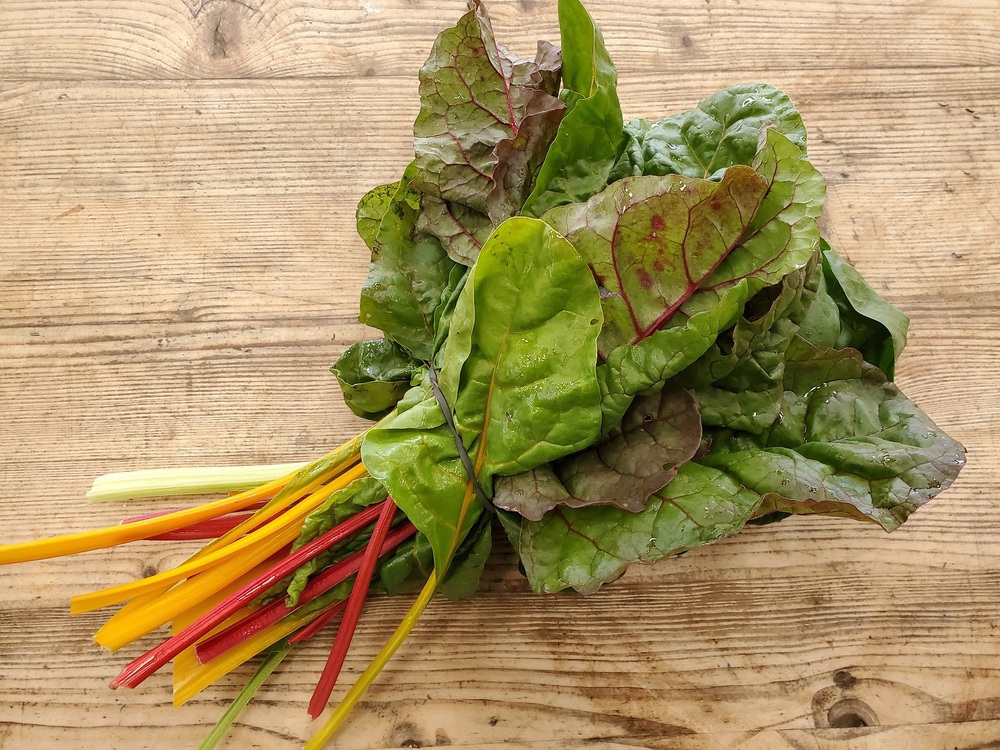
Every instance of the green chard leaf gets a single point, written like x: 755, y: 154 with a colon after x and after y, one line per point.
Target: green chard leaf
x: 782, y: 236
x: 658, y: 433
x: 583, y: 548
x: 340, y: 506
x: 373, y: 375
x: 722, y: 131
x: 486, y: 120
x: 518, y: 371
x: 413, y: 562
x: 868, y: 323
x: 372, y: 209
x: 749, y: 358
x: 590, y: 137
x: 846, y: 442
x: 409, y: 270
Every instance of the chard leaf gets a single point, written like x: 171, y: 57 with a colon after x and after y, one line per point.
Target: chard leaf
x: 748, y: 360
x: 340, y: 506
x: 658, y: 433
x: 868, y: 323
x: 461, y: 230
x: 652, y: 241
x: 590, y: 138
x: 846, y: 442
x: 720, y: 132
x: 373, y: 375
x: 413, y: 562
x: 782, y: 237
x: 409, y: 272
x: 518, y: 373
x: 475, y: 94
x: 519, y: 158
x: 583, y: 548
x: 372, y: 209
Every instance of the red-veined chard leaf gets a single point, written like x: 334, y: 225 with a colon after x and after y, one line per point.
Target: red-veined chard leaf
x: 867, y: 322
x: 723, y: 130
x: 782, y: 237
x: 583, y: 548
x: 485, y: 123
x: 518, y: 371
x: 590, y: 137
x: 373, y: 375
x: 652, y: 241
x: 658, y: 433
x: 409, y: 270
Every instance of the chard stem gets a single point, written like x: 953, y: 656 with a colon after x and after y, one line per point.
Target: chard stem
x: 355, y: 603
x: 375, y: 668
x: 201, y: 480
x: 225, y: 640
x: 240, y: 702
x: 139, y: 669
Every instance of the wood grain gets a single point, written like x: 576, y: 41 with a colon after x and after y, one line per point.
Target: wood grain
x: 178, y: 266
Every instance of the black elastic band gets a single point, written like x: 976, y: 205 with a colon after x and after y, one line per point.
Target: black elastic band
x: 463, y: 455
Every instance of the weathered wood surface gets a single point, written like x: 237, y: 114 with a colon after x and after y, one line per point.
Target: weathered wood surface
x: 178, y: 266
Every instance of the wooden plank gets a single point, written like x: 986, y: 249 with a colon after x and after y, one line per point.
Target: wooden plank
x: 178, y: 266
x: 154, y: 39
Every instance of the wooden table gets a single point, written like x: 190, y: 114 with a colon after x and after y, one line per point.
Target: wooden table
x: 178, y: 267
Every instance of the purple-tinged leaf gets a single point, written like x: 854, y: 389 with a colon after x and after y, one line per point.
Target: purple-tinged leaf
x: 658, y: 433
x: 652, y: 241
x: 474, y: 94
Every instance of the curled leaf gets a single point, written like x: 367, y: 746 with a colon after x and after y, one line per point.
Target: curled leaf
x: 723, y: 130
x: 409, y: 273
x: 658, y: 433
x: 374, y: 374
x: 867, y: 322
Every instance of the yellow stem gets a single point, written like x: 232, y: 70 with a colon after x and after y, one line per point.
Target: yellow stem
x: 204, y: 675
x: 285, y: 527
x: 378, y: 664
x: 85, y: 541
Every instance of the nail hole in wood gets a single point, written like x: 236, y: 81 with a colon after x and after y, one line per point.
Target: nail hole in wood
x: 851, y: 712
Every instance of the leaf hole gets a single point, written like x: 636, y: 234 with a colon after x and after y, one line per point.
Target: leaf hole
x: 594, y: 321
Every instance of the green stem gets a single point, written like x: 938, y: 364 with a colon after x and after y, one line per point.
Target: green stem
x: 185, y: 481
x: 240, y: 702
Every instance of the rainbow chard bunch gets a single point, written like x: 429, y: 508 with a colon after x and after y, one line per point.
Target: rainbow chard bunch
x: 618, y: 341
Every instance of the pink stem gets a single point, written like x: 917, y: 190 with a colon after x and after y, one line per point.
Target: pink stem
x: 141, y: 668
x: 218, y: 644
x: 319, y: 623
x: 345, y: 633
x: 210, y: 529
x: 157, y: 514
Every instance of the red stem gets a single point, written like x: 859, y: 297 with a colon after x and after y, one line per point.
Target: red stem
x: 355, y: 603
x: 210, y: 529
x: 319, y: 623
x: 139, y: 669
x: 218, y: 644
x: 157, y: 514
